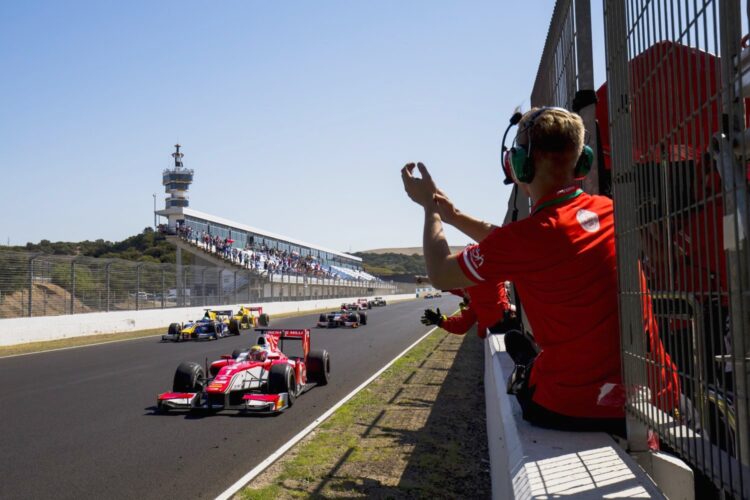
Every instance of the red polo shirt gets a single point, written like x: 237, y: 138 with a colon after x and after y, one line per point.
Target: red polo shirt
x: 562, y: 262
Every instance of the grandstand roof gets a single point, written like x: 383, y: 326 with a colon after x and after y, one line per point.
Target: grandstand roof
x: 262, y: 232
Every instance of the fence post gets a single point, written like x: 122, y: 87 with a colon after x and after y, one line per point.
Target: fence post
x: 203, y: 286
x: 106, y: 274
x: 585, y: 76
x: 735, y: 207
x: 163, y: 281
x: 31, y: 282
x: 72, y: 286
x: 235, y: 286
x: 137, y: 285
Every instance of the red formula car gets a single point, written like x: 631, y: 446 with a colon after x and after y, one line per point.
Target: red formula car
x: 261, y: 379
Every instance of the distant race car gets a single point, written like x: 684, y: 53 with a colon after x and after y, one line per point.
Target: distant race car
x: 261, y: 379
x: 213, y: 326
x: 364, y: 304
x: 335, y: 319
x: 350, y: 307
x: 437, y: 295
x: 428, y: 296
x: 377, y: 302
x: 248, y: 317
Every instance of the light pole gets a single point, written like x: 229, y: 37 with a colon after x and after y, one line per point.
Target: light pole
x: 154, y: 195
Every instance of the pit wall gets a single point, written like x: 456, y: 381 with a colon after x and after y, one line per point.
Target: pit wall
x: 15, y: 331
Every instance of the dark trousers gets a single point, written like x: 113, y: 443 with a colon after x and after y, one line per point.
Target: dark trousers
x: 522, y: 350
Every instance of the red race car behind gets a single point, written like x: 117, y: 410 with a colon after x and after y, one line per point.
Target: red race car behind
x: 261, y: 379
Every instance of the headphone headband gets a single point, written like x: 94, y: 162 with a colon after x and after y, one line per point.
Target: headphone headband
x: 517, y: 162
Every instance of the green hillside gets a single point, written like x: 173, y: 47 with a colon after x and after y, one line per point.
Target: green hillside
x: 391, y: 265
x: 148, y: 246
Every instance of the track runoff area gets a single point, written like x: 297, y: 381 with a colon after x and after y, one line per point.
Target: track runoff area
x: 81, y: 423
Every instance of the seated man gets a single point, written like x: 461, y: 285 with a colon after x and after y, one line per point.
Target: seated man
x: 486, y: 304
x: 563, y: 264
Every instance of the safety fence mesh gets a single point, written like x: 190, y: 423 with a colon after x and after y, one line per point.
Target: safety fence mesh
x: 670, y: 129
x: 47, y: 285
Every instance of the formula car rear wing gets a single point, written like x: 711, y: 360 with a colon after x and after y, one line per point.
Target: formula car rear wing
x: 275, y: 337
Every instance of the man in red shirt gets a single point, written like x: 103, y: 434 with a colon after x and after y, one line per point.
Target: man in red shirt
x: 562, y: 262
x: 486, y: 304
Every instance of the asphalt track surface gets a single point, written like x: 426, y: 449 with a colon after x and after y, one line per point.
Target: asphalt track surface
x: 79, y: 423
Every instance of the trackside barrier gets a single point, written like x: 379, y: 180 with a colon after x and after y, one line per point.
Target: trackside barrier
x: 530, y: 462
x: 15, y: 331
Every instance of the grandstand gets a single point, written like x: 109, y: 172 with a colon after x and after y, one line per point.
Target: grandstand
x: 183, y: 220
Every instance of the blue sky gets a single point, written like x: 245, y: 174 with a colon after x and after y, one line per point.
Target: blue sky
x: 296, y: 116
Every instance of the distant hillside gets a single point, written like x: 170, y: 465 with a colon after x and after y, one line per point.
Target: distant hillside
x: 402, y: 250
x: 148, y: 246
x: 393, y: 266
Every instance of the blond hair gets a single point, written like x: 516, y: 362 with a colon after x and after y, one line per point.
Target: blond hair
x: 551, y: 130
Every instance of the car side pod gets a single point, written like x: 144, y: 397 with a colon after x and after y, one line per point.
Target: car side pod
x: 266, y: 403
x: 176, y: 400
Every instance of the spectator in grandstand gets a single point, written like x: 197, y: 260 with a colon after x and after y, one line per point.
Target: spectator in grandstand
x: 562, y: 261
x: 486, y: 305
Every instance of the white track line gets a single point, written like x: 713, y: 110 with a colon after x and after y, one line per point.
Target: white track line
x: 304, y: 432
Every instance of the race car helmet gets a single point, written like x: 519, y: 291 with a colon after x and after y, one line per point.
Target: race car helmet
x: 257, y: 353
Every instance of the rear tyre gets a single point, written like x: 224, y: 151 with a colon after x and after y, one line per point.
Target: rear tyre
x: 234, y: 326
x: 362, y: 318
x: 264, y: 319
x: 319, y: 366
x: 189, y: 377
x: 281, y: 379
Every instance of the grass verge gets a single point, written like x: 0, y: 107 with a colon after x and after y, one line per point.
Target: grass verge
x: 416, y: 431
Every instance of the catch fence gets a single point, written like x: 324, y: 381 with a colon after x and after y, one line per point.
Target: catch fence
x: 671, y: 136
x: 47, y: 285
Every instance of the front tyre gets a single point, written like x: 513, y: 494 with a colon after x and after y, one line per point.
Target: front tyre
x: 189, y: 377
x: 281, y: 379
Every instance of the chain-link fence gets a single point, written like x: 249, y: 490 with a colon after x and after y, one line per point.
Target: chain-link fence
x: 47, y: 285
x: 670, y: 130
x: 677, y: 121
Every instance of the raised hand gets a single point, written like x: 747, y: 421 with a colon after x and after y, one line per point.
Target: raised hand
x: 420, y: 190
x: 431, y: 317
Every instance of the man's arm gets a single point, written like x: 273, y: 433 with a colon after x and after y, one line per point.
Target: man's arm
x: 442, y: 267
x: 471, y: 227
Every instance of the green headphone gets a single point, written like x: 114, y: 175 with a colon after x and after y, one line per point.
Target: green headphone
x: 518, y: 158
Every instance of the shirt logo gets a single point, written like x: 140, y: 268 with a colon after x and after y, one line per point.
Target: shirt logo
x: 477, y: 259
x: 589, y: 221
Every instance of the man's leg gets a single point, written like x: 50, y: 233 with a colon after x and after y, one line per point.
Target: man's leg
x: 540, y: 416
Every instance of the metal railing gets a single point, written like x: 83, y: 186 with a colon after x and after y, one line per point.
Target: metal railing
x: 677, y: 119
x: 46, y: 285
x: 674, y: 116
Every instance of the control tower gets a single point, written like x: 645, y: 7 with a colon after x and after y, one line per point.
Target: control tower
x: 176, y: 183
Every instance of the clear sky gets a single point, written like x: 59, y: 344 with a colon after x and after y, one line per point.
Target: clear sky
x: 296, y: 116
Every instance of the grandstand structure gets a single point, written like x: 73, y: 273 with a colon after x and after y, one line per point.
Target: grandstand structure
x: 180, y: 218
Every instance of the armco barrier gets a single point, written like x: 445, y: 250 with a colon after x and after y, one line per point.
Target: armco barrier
x: 24, y: 330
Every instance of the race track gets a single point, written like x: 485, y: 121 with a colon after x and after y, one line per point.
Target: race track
x: 79, y: 423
